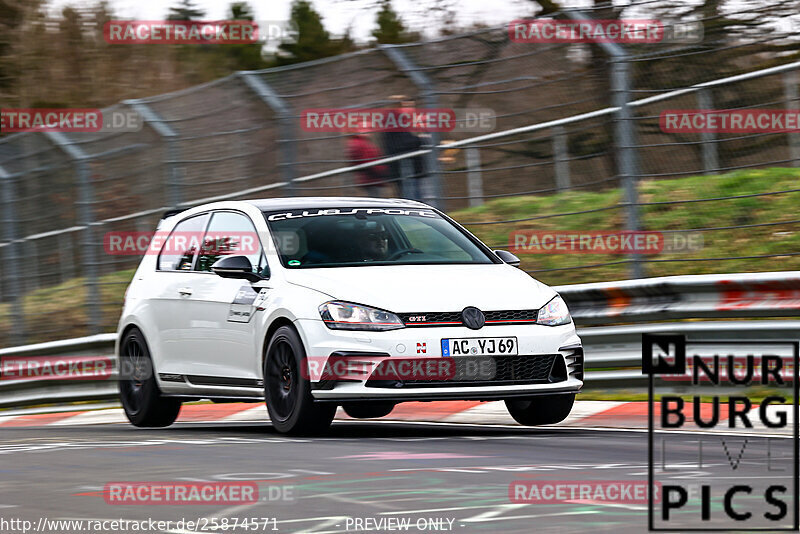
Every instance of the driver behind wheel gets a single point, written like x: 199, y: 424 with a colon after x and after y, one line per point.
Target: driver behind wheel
x: 374, y: 241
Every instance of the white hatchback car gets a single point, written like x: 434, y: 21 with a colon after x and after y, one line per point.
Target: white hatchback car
x: 313, y: 303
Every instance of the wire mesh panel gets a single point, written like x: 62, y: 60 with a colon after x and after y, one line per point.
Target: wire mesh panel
x: 716, y: 187
x: 42, y: 176
x: 524, y: 83
x: 363, y: 80
x: 226, y: 138
x: 42, y: 196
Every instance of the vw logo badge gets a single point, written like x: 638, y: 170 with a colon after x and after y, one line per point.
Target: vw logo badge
x: 472, y: 318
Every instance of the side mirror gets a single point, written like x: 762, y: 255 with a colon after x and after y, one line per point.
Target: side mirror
x: 236, y: 267
x: 507, y: 257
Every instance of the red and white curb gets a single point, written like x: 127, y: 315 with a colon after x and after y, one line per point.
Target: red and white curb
x: 607, y: 414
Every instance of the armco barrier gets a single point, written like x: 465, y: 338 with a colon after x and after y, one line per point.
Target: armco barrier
x: 743, y: 295
x: 613, y: 353
x: 29, y: 391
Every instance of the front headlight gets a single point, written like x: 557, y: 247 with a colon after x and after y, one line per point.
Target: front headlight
x: 554, y: 313
x: 348, y: 316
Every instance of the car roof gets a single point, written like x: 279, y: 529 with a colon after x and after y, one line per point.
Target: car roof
x: 268, y: 204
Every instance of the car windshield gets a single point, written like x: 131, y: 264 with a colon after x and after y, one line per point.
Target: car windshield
x: 346, y: 237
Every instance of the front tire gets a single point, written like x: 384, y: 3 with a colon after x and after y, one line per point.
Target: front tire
x: 368, y: 410
x: 291, y: 407
x: 540, y: 410
x: 141, y: 398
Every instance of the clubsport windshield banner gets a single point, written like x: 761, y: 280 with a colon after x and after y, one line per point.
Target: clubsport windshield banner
x: 297, y: 214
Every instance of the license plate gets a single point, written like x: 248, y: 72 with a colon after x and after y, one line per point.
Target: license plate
x: 479, y: 346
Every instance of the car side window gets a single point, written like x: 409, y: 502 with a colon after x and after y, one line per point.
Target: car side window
x: 182, y: 245
x: 228, y: 234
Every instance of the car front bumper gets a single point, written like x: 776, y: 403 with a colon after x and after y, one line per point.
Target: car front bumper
x: 409, y: 343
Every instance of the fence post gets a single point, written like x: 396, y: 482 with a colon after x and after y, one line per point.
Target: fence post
x: 709, y: 139
x: 65, y: 256
x: 157, y: 123
x: 474, y: 178
x: 86, y: 219
x: 792, y: 102
x: 406, y: 173
x: 561, y: 158
x: 430, y: 101
x: 626, y: 155
x: 11, y: 256
x: 279, y: 106
x: 31, y: 252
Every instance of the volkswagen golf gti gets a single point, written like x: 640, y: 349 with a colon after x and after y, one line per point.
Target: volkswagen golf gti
x: 313, y: 303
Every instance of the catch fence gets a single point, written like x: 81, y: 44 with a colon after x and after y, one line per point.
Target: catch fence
x: 577, y: 145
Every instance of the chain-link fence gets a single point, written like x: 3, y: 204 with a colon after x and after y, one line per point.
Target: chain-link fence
x: 577, y: 145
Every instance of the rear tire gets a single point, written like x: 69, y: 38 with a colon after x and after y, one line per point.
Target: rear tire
x: 141, y: 398
x: 287, y: 391
x: 371, y: 410
x: 540, y: 410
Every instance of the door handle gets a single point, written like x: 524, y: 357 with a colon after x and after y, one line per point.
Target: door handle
x: 185, y: 291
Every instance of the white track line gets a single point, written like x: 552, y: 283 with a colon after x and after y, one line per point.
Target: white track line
x: 95, y: 417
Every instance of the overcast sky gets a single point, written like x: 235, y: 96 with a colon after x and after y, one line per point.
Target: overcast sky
x: 337, y: 14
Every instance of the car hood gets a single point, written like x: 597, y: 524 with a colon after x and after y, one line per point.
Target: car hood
x: 428, y: 288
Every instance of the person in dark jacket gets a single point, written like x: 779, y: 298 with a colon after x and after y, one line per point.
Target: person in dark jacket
x: 407, y: 173
x: 361, y: 150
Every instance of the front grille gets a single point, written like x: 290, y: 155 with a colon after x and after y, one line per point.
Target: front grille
x: 493, y: 318
x: 471, y: 371
x: 431, y: 319
x: 511, y: 316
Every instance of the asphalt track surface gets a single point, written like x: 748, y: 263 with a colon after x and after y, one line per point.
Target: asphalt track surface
x: 437, y: 477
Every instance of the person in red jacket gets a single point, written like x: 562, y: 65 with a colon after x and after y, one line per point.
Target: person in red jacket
x: 361, y: 150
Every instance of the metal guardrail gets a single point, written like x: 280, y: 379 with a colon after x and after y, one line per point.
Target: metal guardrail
x: 33, y: 391
x: 613, y: 353
x: 741, y: 295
